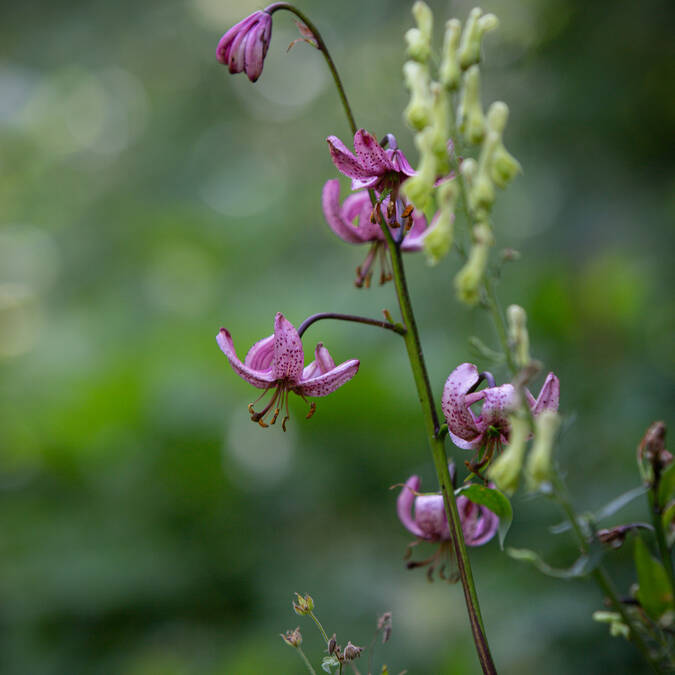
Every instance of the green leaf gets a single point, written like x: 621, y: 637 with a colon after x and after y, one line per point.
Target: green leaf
x: 667, y: 484
x: 329, y: 662
x: 493, y: 500
x: 667, y: 519
x: 607, y: 510
x: 582, y: 566
x: 654, y: 592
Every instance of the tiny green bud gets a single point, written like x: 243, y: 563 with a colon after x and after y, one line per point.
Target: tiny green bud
x: 519, y: 338
x: 469, y: 168
x: 505, y: 167
x: 293, y: 638
x: 619, y: 629
x: 505, y: 470
x: 498, y: 116
x: 476, y: 26
x: 419, y: 187
x: 606, y: 617
x: 438, y: 238
x: 418, y: 110
x: 470, y: 112
x: 470, y: 277
x: 449, y: 72
x: 439, y: 122
x: 303, y: 604
x: 419, y: 39
x: 539, y: 464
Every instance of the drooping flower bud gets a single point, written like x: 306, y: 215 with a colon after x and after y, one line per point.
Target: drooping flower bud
x: 418, y: 188
x: 476, y: 26
x: 504, y: 167
x: 449, y: 72
x: 539, y: 467
x: 303, y: 604
x: 418, y: 111
x: 244, y: 46
x: 470, y: 111
x: 470, y: 277
x: 419, y: 39
x: 505, y: 470
x: 519, y: 339
x: 439, y: 236
x: 293, y: 638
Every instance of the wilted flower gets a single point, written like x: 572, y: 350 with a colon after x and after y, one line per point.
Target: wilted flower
x: 244, y: 46
x: 430, y: 523
x: 293, y: 638
x: 372, y: 166
x: 276, y: 362
x: 303, y: 604
x: 470, y: 431
x: 351, y: 652
x: 353, y: 222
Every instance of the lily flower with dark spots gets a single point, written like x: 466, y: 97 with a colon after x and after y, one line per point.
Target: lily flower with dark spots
x: 276, y: 363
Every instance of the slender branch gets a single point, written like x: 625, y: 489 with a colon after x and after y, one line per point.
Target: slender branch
x: 324, y: 50
x: 396, y: 328
x: 306, y: 660
x: 320, y: 627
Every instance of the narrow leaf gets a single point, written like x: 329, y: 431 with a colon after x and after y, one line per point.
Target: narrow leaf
x: 493, y: 500
x: 582, y: 566
x: 654, y: 593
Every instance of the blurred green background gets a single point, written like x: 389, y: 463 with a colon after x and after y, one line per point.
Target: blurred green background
x: 148, y: 197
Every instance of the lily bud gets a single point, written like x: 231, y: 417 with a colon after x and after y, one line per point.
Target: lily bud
x: 476, y: 26
x: 539, y: 464
x: 419, y: 39
x: 519, y: 338
x: 418, y: 188
x: 303, y: 604
x: 418, y: 110
x: 470, y: 112
x: 470, y: 277
x: 439, y: 236
x: 449, y: 72
x: 505, y: 470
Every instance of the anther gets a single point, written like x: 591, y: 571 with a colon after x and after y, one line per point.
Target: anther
x: 312, y: 410
x: 407, y: 211
x: 274, y: 417
x: 264, y: 425
x: 283, y: 422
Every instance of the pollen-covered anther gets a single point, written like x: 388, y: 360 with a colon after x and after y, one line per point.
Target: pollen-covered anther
x: 407, y: 211
x: 312, y: 410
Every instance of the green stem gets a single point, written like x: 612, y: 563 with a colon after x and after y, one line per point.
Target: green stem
x: 306, y: 660
x: 500, y: 326
x: 318, y: 623
x: 396, y: 328
x: 656, y: 513
x: 324, y: 50
x: 599, y: 574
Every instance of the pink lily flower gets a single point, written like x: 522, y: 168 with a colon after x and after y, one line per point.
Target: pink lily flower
x: 429, y: 522
x: 470, y: 431
x: 276, y: 362
x: 244, y: 46
x: 352, y: 221
x: 372, y: 166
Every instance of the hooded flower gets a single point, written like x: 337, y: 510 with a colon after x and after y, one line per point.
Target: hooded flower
x: 479, y: 524
x: 276, y: 362
x: 372, y: 166
x: 470, y: 431
x: 244, y: 46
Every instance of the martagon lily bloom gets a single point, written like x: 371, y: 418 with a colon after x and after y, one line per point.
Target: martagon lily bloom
x: 353, y: 222
x: 276, y: 363
x: 244, y: 46
x: 490, y: 429
x: 429, y: 523
x: 372, y: 166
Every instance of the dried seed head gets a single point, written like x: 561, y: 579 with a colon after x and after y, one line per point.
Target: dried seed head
x: 293, y: 638
x: 351, y: 652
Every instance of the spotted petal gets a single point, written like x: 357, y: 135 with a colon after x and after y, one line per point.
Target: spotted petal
x: 370, y: 154
x: 335, y: 214
x: 430, y: 517
x: 549, y: 396
x: 289, y: 357
x: 345, y: 161
x: 326, y: 383
x: 499, y: 401
x: 462, y: 426
x: 260, y: 379
x: 404, y: 505
x: 323, y: 363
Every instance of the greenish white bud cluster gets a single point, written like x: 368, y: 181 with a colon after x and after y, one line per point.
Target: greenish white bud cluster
x: 419, y: 187
x: 476, y: 26
x: 469, y: 279
x: 419, y: 39
x: 470, y: 111
x: 519, y: 339
x: 539, y: 468
x: 505, y: 470
x: 439, y: 238
x: 418, y: 110
x: 449, y: 72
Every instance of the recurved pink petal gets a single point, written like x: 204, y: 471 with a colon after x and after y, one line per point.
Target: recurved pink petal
x: 370, y: 154
x: 224, y: 47
x: 326, y: 383
x: 323, y: 362
x: 404, y: 505
x: 430, y: 517
x: 414, y: 240
x: 358, y: 209
x: 461, y: 421
x: 289, y: 357
x: 260, y: 379
x: 486, y: 527
x: 400, y: 162
x: 549, y: 396
x: 499, y: 401
x: 261, y: 355
x: 345, y: 161
x: 335, y: 213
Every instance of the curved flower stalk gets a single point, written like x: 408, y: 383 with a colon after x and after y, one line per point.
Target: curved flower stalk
x: 352, y: 221
x: 276, y: 363
x: 244, y: 47
x: 430, y: 523
x: 372, y: 166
